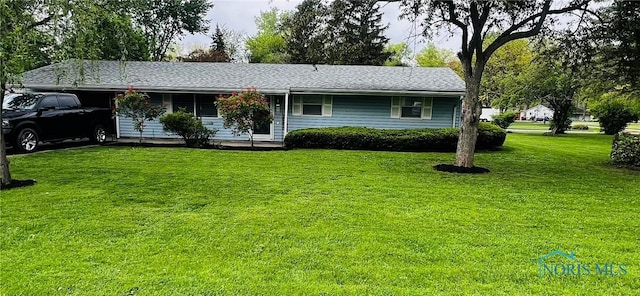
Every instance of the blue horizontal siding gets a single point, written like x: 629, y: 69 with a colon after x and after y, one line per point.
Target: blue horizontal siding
x: 366, y: 111
x: 153, y: 129
x: 375, y: 112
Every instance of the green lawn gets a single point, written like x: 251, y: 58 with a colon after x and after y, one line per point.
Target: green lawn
x: 528, y: 125
x: 171, y: 221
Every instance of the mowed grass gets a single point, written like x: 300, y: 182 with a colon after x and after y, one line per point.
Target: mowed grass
x: 594, y: 126
x: 528, y: 125
x: 172, y: 221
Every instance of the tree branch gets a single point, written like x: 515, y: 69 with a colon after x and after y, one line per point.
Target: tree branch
x: 41, y: 22
x: 453, y: 18
x: 511, y: 34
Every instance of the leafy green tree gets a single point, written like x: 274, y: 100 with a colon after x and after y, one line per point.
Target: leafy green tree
x: 431, y: 56
x: 245, y: 111
x: 114, y: 36
x: 400, y: 54
x: 475, y: 20
x: 304, y: 33
x: 162, y: 21
x: 30, y: 32
x: 267, y: 48
x: 614, y: 115
x: 268, y: 45
x: 608, y: 49
x: 355, y: 34
x: 138, y: 107
x: 501, y: 70
x: 617, y: 40
x: 554, y: 84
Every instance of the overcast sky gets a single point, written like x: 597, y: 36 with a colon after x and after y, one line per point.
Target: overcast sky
x: 239, y: 15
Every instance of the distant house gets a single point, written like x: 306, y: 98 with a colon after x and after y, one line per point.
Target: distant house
x: 300, y: 96
x: 539, y: 113
x: 488, y: 113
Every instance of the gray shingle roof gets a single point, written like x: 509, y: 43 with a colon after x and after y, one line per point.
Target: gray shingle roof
x: 149, y: 76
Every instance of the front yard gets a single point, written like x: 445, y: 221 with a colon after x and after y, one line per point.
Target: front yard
x: 169, y: 221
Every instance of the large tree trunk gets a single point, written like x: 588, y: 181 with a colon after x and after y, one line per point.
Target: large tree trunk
x: 471, y: 110
x: 561, y: 110
x: 4, y: 161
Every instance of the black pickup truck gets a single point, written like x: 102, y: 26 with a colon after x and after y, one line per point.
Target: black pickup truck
x: 31, y: 118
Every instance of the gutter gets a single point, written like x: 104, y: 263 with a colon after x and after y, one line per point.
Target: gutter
x: 375, y: 92
x: 163, y: 89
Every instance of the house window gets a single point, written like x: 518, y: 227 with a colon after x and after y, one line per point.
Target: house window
x: 206, y: 106
x: 312, y: 105
x: 182, y: 101
x: 317, y: 105
x: 411, y: 107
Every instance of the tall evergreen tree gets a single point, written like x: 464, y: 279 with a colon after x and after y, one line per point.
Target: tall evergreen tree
x: 304, y: 33
x: 356, y: 34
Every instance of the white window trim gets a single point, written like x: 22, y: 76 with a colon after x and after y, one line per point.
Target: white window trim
x: 326, y: 107
x: 425, y: 114
x: 167, y: 102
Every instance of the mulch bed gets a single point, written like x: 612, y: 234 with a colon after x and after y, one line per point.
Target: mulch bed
x: 17, y: 184
x: 461, y: 170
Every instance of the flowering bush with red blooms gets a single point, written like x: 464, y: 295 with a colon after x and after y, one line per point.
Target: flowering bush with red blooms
x: 138, y: 107
x: 245, y: 111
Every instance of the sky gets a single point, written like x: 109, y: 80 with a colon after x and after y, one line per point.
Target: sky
x: 239, y: 15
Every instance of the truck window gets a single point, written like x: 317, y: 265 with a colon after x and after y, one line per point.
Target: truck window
x: 49, y: 102
x: 67, y: 102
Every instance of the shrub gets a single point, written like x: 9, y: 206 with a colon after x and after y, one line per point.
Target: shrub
x: 185, y: 125
x: 245, y: 111
x: 614, y: 116
x: 626, y: 150
x: 138, y: 107
x: 362, y: 138
x: 582, y: 127
x: 504, y: 120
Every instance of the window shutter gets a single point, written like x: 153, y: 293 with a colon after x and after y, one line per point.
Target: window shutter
x: 395, y: 107
x: 427, y: 106
x: 297, y: 105
x: 166, y: 102
x: 327, y: 106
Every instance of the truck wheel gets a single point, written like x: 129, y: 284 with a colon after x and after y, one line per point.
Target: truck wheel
x: 27, y: 140
x: 99, y: 134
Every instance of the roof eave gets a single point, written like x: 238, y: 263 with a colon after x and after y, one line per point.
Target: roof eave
x: 163, y: 89
x: 329, y: 91
x: 454, y: 93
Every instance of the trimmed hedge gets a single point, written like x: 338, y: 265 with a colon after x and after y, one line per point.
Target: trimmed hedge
x: 626, y: 150
x: 582, y: 127
x: 361, y: 138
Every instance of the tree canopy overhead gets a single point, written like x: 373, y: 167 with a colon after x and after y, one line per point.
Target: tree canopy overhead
x: 342, y: 32
x: 475, y: 20
x: 305, y: 34
x: 355, y: 33
x: 268, y: 45
x: 162, y: 21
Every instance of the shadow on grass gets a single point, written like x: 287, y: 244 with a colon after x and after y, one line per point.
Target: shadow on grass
x: 17, y: 184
